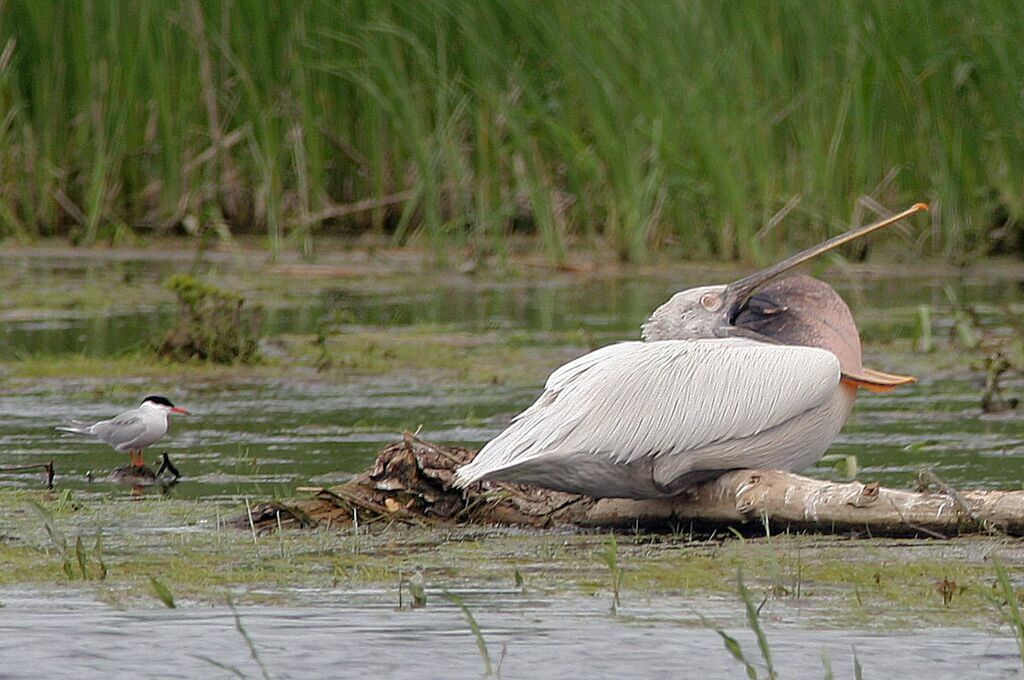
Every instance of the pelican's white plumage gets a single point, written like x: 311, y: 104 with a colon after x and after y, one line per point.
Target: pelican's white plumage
x: 757, y: 373
x: 647, y: 419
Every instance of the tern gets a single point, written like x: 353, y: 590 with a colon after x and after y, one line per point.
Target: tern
x: 758, y: 373
x: 133, y: 430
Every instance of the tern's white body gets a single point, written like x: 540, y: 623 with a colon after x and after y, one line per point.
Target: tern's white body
x: 648, y: 419
x: 129, y: 431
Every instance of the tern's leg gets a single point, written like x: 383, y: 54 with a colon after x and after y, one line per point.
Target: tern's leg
x: 140, y: 463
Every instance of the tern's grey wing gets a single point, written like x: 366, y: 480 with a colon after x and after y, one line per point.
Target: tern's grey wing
x: 121, y: 431
x: 614, y: 411
x: 127, y: 418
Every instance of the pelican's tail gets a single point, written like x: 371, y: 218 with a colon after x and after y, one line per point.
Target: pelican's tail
x: 476, y: 470
x: 509, y: 450
x: 464, y: 478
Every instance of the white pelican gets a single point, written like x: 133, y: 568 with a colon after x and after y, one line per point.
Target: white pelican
x: 758, y: 373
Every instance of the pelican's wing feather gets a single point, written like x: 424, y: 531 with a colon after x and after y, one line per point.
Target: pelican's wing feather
x: 641, y: 400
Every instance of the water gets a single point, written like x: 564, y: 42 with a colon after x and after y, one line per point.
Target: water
x: 257, y: 441
x: 261, y: 439
x: 363, y: 635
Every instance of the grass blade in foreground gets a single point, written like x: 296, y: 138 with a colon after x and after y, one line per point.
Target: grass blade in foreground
x: 162, y: 592
x: 732, y: 646
x: 248, y: 640
x: 1013, y: 616
x: 475, y: 627
x: 753, y: 620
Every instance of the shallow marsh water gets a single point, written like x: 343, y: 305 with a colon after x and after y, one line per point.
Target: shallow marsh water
x: 258, y: 438
x: 364, y: 635
x: 266, y: 436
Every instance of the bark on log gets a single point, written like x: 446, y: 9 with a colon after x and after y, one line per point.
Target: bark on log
x: 411, y: 482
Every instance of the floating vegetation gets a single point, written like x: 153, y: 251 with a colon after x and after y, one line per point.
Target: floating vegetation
x: 322, y: 361
x: 213, y: 325
x: 947, y: 589
x: 966, y: 331
x: 992, y: 399
x: 417, y: 590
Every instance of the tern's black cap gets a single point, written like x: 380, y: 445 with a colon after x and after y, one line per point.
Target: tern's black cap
x: 157, y: 399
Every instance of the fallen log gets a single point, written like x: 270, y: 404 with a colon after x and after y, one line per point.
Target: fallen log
x: 411, y: 482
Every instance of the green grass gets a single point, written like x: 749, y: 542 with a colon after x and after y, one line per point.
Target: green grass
x: 754, y: 623
x: 860, y: 583
x: 633, y: 126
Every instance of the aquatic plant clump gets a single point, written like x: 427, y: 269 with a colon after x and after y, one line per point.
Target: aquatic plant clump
x: 212, y: 325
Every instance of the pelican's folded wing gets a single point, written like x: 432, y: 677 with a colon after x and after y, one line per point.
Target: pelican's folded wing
x: 637, y: 401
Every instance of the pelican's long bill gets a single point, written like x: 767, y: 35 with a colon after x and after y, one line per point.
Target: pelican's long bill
x: 737, y: 292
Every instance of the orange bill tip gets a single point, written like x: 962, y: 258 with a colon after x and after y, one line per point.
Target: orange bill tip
x: 876, y: 381
x: 870, y: 387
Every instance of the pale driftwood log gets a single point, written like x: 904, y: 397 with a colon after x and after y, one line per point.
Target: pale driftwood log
x: 411, y: 482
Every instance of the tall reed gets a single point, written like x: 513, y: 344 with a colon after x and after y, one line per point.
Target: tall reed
x: 632, y: 125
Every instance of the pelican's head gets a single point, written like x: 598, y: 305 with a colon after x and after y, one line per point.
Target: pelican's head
x: 712, y: 311
x: 690, y: 314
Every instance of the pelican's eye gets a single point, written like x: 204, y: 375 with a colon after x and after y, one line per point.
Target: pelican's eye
x: 710, y: 302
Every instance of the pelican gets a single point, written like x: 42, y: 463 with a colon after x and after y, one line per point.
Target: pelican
x: 758, y: 373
